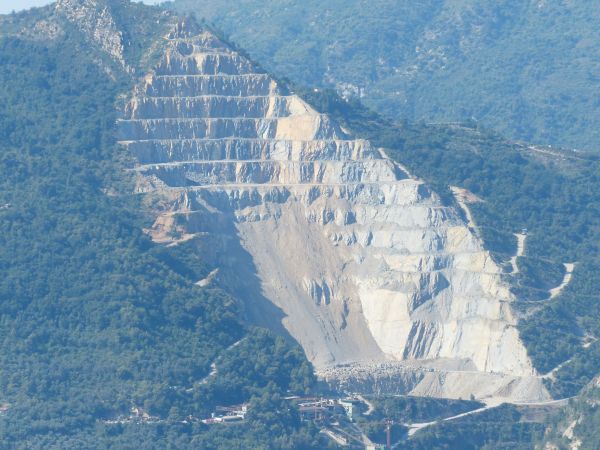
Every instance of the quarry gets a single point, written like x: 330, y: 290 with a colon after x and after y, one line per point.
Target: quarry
x: 324, y: 238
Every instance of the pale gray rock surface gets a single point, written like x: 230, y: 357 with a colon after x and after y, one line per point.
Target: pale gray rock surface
x: 321, y: 235
x: 96, y: 22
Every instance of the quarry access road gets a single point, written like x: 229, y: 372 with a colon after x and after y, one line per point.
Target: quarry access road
x: 521, y: 239
x: 370, y: 405
x: 213, y: 365
x: 555, y: 292
x: 414, y: 427
x: 569, y: 268
x: 551, y: 373
x: 557, y: 402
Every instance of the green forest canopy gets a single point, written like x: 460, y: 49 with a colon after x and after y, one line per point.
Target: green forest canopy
x: 526, y: 69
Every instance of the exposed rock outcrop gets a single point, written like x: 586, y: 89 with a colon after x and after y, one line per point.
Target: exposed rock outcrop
x: 95, y: 21
x: 321, y: 232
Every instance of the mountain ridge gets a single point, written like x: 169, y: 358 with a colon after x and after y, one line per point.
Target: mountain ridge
x: 523, y: 70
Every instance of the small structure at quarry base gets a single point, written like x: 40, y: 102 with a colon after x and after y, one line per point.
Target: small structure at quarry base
x: 321, y: 236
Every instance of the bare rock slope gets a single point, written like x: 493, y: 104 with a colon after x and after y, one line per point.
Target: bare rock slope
x: 94, y: 19
x: 322, y: 235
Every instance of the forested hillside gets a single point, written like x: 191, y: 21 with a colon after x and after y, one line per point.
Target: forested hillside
x: 526, y: 69
x: 96, y: 319
x: 578, y: 425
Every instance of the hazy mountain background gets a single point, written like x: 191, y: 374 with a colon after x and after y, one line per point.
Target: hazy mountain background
x: 8, y: 6
x: 527, y: 69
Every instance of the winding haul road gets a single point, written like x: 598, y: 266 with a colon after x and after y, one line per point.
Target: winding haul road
x: 521, y: 238
x: 414, y: 427
x: 569, y: 268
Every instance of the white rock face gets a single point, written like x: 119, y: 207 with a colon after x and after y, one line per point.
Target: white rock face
x: 318, y: 231
x: 95, y: 20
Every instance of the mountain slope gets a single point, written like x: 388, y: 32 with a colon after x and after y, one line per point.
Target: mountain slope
x: 551, y: 193
x: 526, y: 70
x: 96, y: 319
x: 578, y: 426
x: 365, y: 263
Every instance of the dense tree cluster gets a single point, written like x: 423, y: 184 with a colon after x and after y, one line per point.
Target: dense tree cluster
x: 95, y: 318
x: 500, y: 427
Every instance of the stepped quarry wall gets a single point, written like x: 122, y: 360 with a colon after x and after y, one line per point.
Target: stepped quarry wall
x: 321, y: 235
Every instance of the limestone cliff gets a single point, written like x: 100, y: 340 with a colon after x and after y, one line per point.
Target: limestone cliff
x: 125, y: 46
x: 95, y: 20
x: 385, y: 287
